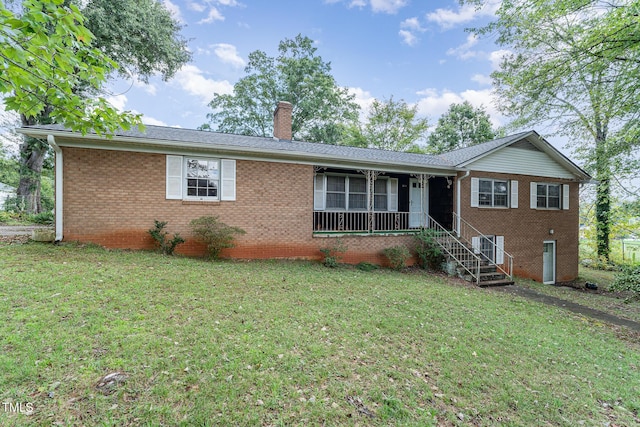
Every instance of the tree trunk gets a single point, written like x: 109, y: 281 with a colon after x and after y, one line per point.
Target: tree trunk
x: 603, y: 197
x: 32, y: 155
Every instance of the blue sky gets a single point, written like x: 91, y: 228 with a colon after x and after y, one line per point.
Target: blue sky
x: 413, y: 50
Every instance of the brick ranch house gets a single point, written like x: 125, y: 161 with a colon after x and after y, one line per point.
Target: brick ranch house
x: 514, y: 199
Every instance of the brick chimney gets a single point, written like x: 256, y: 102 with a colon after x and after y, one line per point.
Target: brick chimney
x: 282, y: 120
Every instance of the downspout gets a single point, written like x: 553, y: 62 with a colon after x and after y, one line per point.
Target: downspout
x: 458, y: 200
x: 58, y: 190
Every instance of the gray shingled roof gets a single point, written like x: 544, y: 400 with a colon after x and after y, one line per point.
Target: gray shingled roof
x: 463, y: 155
x: 271, y: 145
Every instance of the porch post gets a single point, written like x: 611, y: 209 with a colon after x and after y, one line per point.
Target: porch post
x: 424, y: 216
x: 371, y: 176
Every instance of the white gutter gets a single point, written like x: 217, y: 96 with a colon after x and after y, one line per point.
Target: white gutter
x: 58, y: 191
x: 458, y: 200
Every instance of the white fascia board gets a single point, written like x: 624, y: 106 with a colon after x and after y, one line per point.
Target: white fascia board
x: 118, y: 143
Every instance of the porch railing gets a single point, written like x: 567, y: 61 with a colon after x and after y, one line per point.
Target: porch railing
x: 360, y: 222
x: 467, y: 232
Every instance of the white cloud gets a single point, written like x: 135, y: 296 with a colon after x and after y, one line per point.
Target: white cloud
x: 191, y: 79
x: 408, y: 28
x: 213, y: 15
x: 383, y: 6
x: 411, y: 24
x: 150, y: 88
x: 195, y: 6
x: 496, y: 57
x: 229, y: 55
x: 174, y: 10
x: 117, y: 101
x: 434, y: 103
x: 387, y: 6
x: 448, y: 18
x: 464, y: 50
x: 408, y: 37
x: 481, y: 79
x: 364, y: 99
x: 147, y: 120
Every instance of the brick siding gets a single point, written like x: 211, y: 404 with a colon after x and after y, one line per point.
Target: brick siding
x: 525, y: 229
x: 112, y: 198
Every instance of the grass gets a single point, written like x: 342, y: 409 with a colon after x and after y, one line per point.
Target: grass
x: 291, y: 343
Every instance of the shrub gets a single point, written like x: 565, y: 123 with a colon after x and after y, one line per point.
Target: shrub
x: 366, y: 266
x: 45, y: 218
x: 160, y: 236
x: 628, y: 279
x: 333, y: 255
x: 429, y: 252
x: 215, y: 234
x: 397, y: 256
x: 5, y: 217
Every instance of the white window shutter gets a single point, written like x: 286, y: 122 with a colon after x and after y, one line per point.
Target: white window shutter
x: 174, y: 177
x: 318, y: 193
x: 475, y: 192
x: 565, y: 196
x: 514, y: 194
x: 392, y: 188
x: 475, y: 244
x: 499, y: 250
x: 533, y: 195
x: 227, y: 179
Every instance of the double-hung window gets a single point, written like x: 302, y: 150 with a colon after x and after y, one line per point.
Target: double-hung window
x: 351, y: 193
x: 357, y: 193
x: 380, y: 196
x: 203, y: 178
x: 336, y: 192
x: 548, y: 196
x: 545, y: 195
x: 494, y: 193
x: 200, y: 178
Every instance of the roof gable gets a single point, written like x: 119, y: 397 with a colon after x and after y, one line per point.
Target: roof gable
x: 525, y: 153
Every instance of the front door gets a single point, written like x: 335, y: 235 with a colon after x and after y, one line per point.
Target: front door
x: 418, y: 201
x: 549, y: 263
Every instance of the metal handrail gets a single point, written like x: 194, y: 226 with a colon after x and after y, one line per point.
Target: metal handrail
x: 459, y: 222
x: 457, y: 250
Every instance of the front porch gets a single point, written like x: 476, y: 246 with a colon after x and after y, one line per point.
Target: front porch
x: 370, y: 201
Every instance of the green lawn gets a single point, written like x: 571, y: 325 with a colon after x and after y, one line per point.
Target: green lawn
x: 291, y: 343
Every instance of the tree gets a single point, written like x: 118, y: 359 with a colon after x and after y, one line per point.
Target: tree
x: 45, y: 56
x: 552, y: 76
x: 321, y: 109
x: 141, y: 36
x: 132, y: 38
x: 461, y: 126
x: 390, y: 125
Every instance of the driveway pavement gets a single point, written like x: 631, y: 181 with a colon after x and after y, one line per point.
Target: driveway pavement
x: 568, y: 305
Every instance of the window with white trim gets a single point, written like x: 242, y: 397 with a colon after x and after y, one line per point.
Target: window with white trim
x: 545, y: 195
x: 203, y: 178
x: 350, y: 192
x: 200, y: 178
x: 494, y: 193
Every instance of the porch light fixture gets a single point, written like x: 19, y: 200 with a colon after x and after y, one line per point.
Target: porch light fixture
x: 551, y: 231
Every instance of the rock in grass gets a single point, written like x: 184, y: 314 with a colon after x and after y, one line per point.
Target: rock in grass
x: 109, y: 382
